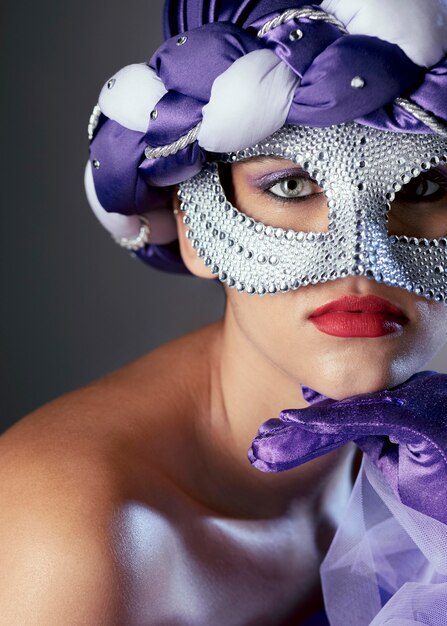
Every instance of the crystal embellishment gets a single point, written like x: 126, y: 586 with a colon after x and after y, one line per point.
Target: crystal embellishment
x: 356, y: 242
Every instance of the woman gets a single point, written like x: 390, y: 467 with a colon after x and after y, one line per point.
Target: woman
x: 132, y: 501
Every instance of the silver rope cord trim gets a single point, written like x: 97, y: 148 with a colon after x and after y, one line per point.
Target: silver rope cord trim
x: 172, y: 148
x: 93, y: 121
x: 423, y: 116
x: 309, y: 12
x: 138, y: 242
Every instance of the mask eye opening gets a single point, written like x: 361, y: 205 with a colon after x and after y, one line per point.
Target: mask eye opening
x: 226, y: 180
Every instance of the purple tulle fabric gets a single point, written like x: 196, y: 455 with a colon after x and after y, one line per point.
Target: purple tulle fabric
x: 387, y: 564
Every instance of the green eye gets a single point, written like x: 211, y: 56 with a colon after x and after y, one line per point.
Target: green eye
x: 295, y: 187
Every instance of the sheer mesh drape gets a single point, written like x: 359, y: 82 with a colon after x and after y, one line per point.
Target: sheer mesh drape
x: 387, y: 563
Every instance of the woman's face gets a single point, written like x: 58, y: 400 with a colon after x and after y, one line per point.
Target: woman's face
x: 278, y: 192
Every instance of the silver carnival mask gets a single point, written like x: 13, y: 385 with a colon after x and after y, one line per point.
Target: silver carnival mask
x: 360, y: 170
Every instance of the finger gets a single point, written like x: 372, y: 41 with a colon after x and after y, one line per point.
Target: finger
x: 279, y: 450
x: 359, y: 418
x: 312, y: 396
x: 272, y: 425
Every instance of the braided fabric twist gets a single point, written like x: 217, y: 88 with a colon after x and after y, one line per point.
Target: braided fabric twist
x: 303, y: 13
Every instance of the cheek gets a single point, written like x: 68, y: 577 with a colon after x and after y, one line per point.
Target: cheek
x: 277, y: 327
x: 432, y: 328
x: 271, y: 323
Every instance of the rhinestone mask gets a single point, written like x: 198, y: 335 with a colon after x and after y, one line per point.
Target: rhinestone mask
x: 359, y: 170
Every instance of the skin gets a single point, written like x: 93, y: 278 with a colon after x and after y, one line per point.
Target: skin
x: 267, y: 346
x: 174, y: 427
x: 278, y: 327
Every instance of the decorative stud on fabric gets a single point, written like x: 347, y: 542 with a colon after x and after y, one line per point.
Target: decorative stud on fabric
x: 135, y: 94
x: 111, y: 83
x: 96, y: 164
x: 154, y: 114
x: 182, y: 40
x: 358, y: 82
x: 296, y: 35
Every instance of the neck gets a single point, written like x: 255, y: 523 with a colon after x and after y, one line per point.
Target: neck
x: 246, y: 389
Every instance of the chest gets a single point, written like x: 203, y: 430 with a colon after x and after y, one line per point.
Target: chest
x: 187, y: 567
x: 196, y: 570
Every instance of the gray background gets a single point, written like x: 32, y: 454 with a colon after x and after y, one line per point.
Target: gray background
x: 73, y: 304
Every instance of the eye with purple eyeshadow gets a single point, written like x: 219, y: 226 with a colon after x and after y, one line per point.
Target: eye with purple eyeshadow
x: 290, y: 186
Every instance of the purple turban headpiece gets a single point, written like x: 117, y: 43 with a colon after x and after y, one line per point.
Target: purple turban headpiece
x: 231, y: 73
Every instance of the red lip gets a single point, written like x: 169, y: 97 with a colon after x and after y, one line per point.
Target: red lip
x: 358, y: 316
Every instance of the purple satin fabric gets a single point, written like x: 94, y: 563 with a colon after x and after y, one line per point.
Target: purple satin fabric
x: 182, y: 15
x: 119, y: 187
x: 432, y: 94
x: 164, y: 257
x: 176, y: 115
x: 402, y: 430
x: 299, y: 56
x: 159, y: 172
x: 209, y: 50
x: 326, y: 97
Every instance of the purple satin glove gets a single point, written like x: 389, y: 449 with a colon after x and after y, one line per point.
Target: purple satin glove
x: 403, y: 430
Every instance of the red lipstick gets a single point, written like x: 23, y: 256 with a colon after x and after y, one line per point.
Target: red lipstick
x: 358, y: 316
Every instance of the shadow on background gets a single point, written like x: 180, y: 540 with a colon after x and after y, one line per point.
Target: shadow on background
x: 73, y: 304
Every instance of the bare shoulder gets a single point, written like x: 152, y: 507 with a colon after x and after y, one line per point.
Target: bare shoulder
x: 65, y: 471
x: 100, y: 419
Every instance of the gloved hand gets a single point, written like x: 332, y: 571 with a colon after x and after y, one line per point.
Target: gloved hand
x: 403, y: 430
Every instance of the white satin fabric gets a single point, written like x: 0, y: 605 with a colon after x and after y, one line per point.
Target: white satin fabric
x: 419, y: 27
x: 250, y: 100
x: 130, y: 96
x: 387, y: 564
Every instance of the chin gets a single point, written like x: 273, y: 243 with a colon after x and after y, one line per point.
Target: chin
x: 348, y: 381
